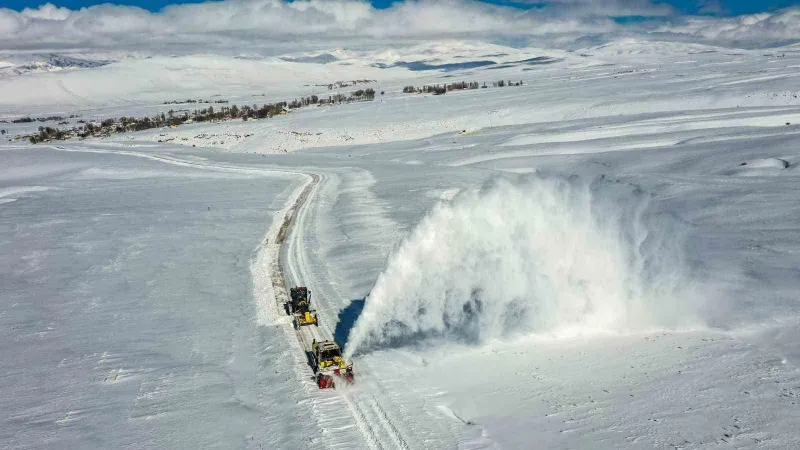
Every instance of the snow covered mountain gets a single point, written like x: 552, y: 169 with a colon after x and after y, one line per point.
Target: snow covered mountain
x: 24, y: 64
x: 446, y: 52
x: 136, y: 79
x: 631, y: 46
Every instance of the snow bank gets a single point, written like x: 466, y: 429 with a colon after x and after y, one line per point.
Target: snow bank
x: 759, y: 166
x: 158, y: 79
x: 539, y: 254
x: 10, y: 194
x: 766, y: 163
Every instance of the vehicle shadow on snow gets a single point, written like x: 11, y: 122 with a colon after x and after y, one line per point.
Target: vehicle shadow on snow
x: 310, y: 361
x: 346, y: 320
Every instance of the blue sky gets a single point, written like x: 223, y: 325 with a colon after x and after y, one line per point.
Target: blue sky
x: 731, y: 7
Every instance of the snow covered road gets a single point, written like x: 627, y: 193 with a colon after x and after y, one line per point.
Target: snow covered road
x: 338, y: 411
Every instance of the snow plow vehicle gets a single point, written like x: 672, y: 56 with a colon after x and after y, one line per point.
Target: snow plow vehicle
x: 299, y: 304
x: 298, y: 297
x: 328, y: 363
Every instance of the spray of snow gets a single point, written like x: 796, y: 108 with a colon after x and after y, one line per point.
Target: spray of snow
x: 537, y: 254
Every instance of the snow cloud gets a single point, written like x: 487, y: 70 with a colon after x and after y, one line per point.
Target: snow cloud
x: 606, y: 8
x: 780, y: 27
x: 270, y: 25
x: 48, y: 11
x: 264, y: 23
x: 540, y: 254
x: 710, y: 7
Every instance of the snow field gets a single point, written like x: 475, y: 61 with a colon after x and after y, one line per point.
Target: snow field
x: 108, y: 342
x: 552, y: 95
x: 662, y: 270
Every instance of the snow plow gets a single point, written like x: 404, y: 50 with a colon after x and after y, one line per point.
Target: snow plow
x: 299, y: 304
x: 298, y: 296
x: 305, y: 318
x: 328, y: 364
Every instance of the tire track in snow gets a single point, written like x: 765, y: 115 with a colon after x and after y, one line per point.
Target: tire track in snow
x: 370, y: 417
x: 273, y: 253
x: 280, y: 281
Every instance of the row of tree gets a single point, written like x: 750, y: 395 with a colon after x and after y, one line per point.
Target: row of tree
x: 179, y: 102
x: 51, y: 134
x: 357, y: 96
x: 439, y: 89
x: 503, y: 83
x: 174, y: 118
x: 341, y: 84
x: 37, y: 119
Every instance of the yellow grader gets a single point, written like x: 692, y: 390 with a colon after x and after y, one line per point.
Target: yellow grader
x: 299, y: 304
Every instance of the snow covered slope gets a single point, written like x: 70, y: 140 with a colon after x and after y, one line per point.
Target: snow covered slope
x: 118, y: 327
x: 760, y: 87
x: 136, y: 81
x: 23, y: 64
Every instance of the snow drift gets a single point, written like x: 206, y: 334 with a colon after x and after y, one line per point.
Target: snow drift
x: 537, y: 254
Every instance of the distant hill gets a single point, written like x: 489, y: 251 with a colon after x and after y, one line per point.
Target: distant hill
x: 23, y: 64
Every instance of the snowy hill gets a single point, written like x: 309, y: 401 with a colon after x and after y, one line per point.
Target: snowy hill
x: 142, y: 80
x: 432, y: 54
x: 634, y: 47
x: 24, y: 64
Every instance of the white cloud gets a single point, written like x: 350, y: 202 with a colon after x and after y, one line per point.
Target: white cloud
x: 264, y: 23
x: 47, y: 11
x: 710, y: 7
x: 752, y: 30
x: 268, y: 26
x: 605, y: 8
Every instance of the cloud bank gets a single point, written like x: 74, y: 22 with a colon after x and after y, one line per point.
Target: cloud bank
x: 763, y: 29
x: 264, y: 25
